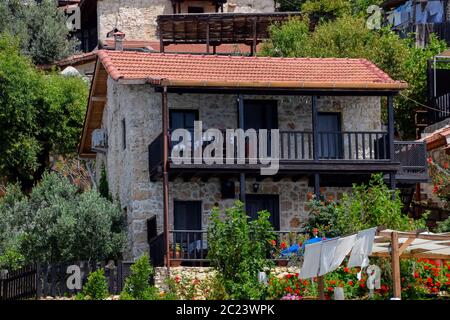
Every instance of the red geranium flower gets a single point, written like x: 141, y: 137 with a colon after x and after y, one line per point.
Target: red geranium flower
x: 330, y: 289
x: 346, y: 270
x: 416, y: 274
x: 350, y: 283
x: 273, y: 242
x: 283, y: 245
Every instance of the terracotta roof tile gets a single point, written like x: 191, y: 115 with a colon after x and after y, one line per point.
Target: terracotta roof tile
x: 437, y: 138
x: 211, y: 70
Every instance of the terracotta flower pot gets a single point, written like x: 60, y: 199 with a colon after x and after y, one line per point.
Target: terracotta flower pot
x: 175, y: 263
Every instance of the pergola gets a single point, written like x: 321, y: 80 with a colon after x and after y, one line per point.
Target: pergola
x: 409, y: 245
x: 214, y: 29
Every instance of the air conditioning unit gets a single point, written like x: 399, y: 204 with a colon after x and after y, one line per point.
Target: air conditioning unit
x: 99, y: 140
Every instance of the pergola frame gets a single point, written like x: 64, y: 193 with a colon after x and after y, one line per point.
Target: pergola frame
x: 396, y: 251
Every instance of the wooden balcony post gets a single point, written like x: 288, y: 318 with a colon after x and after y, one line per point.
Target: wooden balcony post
x: 317, y: 186
x: 315, y: 128
x: 395, y: 262
x: 165, y: 128
x: 241, y: 126
x: 390, y: 105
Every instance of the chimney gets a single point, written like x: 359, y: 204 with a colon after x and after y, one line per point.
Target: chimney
x: 118, y: 40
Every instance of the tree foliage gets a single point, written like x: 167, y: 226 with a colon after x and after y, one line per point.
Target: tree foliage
x: 347, y: 37
x: 40, y: 27
x: 56, y: 223
x: 39, y: 113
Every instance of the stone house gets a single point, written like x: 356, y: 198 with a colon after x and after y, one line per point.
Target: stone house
x: 331, y: 134
x: 137, y: 18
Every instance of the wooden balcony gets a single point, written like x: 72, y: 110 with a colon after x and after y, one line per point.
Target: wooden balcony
x: 350, y: 152
x: 214, y: 29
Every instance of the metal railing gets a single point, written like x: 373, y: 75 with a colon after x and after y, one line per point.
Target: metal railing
x: 441, y: 107
x: 412, y: 157
x: 192, y: 245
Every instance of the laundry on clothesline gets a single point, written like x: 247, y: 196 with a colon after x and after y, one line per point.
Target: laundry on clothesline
x: 324, y: 256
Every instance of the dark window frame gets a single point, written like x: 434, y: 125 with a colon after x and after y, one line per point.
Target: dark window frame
x: 124, y: 134
x: 171, y: 111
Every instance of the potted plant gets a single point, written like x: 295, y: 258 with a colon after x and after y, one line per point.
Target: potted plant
x: 175, y: 263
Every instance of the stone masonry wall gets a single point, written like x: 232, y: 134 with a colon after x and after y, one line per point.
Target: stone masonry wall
x: 137, y: 18
x: 140, y: 107
x: 202, y: 273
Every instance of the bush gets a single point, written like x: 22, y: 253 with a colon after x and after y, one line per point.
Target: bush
x: 238, y: 250
x: 96, y: 287
x: 137, y: 285
x: 56, y: 223
x: 366, y: 206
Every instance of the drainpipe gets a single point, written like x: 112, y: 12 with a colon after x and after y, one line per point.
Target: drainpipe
x: 165, y: 128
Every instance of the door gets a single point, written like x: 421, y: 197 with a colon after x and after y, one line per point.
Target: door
x: 330, y: 135
x: 187, y: 215
x: 261, y: 114
x: 258, y: 202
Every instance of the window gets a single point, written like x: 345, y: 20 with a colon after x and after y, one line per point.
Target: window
x: 182, y: 119
x: 195, y: 9
x: 124, y: 134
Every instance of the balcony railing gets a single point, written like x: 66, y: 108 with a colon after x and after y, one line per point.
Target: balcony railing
x: 297, y: 147
x: 412, y: 157
x: 441, y: 106
x: 192, y: 245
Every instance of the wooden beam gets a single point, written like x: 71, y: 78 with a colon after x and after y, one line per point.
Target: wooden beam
x: 407, y: 255
x: 405, y: 245
x: 416, y: 235
x: 315, y: 126
x: 98, y: 98
x: 395, y: 262
x: 321, y: 287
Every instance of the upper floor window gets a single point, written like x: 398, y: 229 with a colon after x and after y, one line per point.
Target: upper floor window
x: 182, y: 119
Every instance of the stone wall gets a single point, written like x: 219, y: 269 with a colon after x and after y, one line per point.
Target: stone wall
x: 140, y: 108
x: 202, y: 273
x: 137, y: 18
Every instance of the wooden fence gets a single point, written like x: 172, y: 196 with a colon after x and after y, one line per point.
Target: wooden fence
x: 36, y: 281
x: 19, y: 284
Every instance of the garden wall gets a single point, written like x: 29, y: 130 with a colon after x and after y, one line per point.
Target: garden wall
x: 201, y: 273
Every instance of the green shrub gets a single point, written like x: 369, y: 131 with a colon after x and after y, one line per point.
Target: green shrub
x: 238, y: 250
x: 96, y: 287
x: 56, y: 223
x: 137, y: 285
x: 368, y: 205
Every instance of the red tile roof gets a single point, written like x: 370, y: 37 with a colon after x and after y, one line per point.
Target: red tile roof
x: 438, y: 138
x: 234, y: 71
